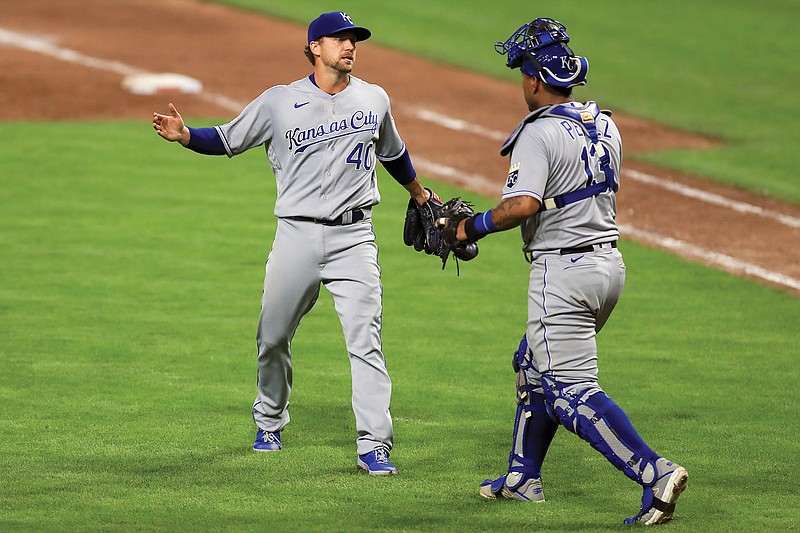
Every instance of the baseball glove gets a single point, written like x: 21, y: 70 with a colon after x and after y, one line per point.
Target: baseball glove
x: 419, y: 229
x: 453, y: 212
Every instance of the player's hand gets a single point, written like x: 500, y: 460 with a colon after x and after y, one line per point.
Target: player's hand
x: 171, y: 127
x: 461, y: 233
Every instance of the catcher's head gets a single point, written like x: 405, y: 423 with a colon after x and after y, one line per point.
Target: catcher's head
x: 539, y: 48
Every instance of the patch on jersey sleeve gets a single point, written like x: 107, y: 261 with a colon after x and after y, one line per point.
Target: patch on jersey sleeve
x: 513, y: 175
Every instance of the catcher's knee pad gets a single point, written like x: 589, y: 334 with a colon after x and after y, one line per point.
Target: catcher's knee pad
x: 522, y: 358
x: 595, y: 418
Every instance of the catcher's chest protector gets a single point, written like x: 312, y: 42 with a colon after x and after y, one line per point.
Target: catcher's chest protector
x: 586, y: 119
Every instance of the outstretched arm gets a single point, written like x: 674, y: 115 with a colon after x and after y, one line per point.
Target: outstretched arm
x: 201, y: 140
x: 509, y: 213
x: 171, y: 127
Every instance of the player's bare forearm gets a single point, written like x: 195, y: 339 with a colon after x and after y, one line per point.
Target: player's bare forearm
x: 417, y: 191
x: 509, y: 213
x: 512, y: 212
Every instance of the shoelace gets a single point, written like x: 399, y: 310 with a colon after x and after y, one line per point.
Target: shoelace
x: 269, y: 437
x: 381, y: 456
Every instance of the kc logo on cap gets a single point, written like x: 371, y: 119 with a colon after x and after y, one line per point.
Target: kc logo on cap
x: 334, y: 22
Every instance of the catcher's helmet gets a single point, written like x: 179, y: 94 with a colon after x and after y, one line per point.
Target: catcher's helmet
x: 539, y: 48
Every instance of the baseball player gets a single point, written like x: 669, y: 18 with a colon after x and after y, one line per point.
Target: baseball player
x: 564, y: 172
x: 323, y: 135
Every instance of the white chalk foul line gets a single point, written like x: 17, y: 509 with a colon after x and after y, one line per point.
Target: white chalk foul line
x: 723, y: 261
x: 455, y: 124
x: 712, y: 198
x: 42, y: 46
x: 45, y: 47
x: 670, y: 244
x: 476, y: 182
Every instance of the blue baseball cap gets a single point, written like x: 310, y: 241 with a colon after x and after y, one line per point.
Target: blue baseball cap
x: 334, y: 22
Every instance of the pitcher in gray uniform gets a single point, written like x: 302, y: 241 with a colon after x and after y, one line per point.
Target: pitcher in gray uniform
x: 564, y: 172
x: 323, y: 135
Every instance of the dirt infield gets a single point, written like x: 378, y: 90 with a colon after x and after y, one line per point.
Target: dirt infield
x: 66, y: 60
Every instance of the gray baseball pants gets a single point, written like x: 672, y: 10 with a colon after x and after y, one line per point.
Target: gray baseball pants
x: 570, y: 297
x: 344, y: 259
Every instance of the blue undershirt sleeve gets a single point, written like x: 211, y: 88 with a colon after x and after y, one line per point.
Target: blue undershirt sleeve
x: 401, y: 169
x: 206, y: 141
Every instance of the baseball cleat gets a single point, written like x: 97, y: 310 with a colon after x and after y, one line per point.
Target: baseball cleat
x: 658, y: 501
x: 376, y: 463
x: 529, y: 490
x: 267, y: 441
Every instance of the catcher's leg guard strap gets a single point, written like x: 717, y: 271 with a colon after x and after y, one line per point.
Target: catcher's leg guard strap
x: 604, y: 425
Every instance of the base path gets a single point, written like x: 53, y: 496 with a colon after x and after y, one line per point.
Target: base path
x: 68, y: 59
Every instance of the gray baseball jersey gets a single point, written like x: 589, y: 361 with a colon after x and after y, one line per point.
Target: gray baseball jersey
x: 323, y: 150
x: 554, y: 156
x: 577, y: 274
x: 322, y: 147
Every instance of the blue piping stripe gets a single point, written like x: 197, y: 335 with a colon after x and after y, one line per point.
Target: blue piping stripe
x: 391, y: 157
x: 224, y: 141
x: 523, y: 192
x: 544, y: 311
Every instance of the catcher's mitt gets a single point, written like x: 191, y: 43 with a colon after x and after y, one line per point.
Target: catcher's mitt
x: 419, y: 229
x: 453, y: 212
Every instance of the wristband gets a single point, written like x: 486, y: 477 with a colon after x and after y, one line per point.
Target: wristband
x: 484, y: 223
x: 480, y: 225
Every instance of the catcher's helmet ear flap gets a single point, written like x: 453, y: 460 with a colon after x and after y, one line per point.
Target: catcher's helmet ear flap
x: 540, y: 49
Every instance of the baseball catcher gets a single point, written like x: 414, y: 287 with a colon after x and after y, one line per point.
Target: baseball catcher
x: 564, y: 168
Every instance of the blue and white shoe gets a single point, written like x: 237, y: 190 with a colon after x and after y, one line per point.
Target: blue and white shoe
x: 267, y: 441
x: 658, y: 500
x: 513, y: 486
x: 376, y: 463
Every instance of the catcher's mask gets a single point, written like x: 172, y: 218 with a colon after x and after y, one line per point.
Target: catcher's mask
x: 539, y: 48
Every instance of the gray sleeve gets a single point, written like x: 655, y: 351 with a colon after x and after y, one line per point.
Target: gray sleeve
x: 529, y: 167
x: 253, y: 126
x: 389, y: 145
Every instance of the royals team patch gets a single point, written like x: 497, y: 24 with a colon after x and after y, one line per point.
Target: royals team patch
x: 513, y: 175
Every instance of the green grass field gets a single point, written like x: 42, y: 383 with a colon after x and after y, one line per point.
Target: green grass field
x: 130, y: 281
x: 724, y: 69
x: 131, y: 278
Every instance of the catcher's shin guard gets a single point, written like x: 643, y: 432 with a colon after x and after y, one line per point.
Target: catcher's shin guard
x: 534, y: 427
x: 604, y: 425
x: 533, y: 433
